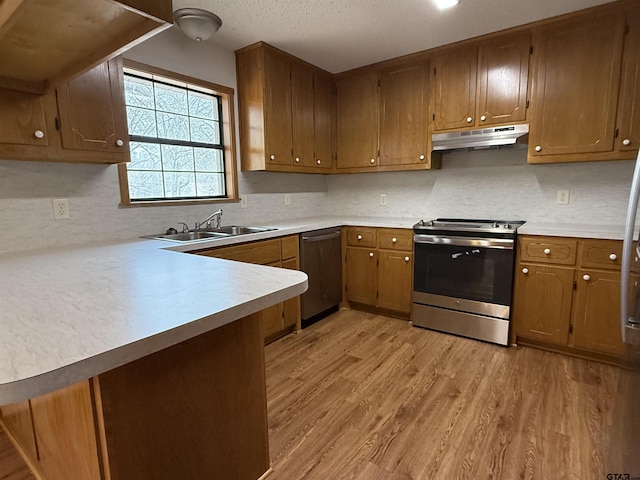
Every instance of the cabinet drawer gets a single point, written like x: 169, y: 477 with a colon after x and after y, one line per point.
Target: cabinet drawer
x: 263, y: 252
x: 362, y: 237
x: 289, y: 247
x: 601, y: 254
x: 395, y: 239
x: 556, y: 250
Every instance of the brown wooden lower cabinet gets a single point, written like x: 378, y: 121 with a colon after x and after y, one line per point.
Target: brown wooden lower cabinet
x: 277, y: 320
x: 379, y: 268
x: 191, y: 411
x: 567, y: 297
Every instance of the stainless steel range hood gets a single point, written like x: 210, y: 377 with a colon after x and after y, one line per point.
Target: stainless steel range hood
x: 481, y: 138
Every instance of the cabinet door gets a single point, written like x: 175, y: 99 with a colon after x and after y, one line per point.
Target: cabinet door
x: 404, y: 110
x: 92, y: 114
x: 291, y: 307
x: 17, y: 419
x: 502, y: 80
x: 66, y: 434
x: 454, y: 93
x: 629, y: 106
x: 543, y: 302
x: 23, y: 119
x: 302, y: 114
x: 395, y: 273
x: 358, y: 121
x: 362, y: 266
x: 324, y: 120
x: 596, y: 318
x: 575, y: 88
x: 277, y: 108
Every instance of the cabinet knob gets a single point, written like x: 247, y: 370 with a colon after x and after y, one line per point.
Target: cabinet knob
x: 421, y: 157
x: 318, y: 161
x: 297, y: 159
x: 469, y: 119
x: 525, y: 270
x: 626, y: 142
x: 359, y: 237
x: 483, y: 118
x: 547, y: 251
x: 119, y: 143
x: 370, y: 254
x: 538, y: 148
x: 406, y: 259
x: 372, y: 161
x: 586, y: 278
x: 613, y: 257
x: 272, y: 157
x: 394, y: 240
x: 38, y: 134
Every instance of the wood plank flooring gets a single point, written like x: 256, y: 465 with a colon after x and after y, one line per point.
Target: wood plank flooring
x: 365, y: 397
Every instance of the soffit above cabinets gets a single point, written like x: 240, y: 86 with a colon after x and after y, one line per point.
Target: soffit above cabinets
x: 46, y: 42
x: 339, y: 36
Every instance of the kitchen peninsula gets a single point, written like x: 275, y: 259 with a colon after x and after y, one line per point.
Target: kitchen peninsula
x: 131, y: 361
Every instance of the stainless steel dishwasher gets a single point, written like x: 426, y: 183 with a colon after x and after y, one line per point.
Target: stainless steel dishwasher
x: 321, y: 260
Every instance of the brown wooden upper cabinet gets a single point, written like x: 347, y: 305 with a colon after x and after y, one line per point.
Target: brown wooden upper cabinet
x: 286, y: 112
x: 83, y: 121
x: 481, y: 84
x: 576, y: 88
x: 47, y: 42
x: 383, y: 119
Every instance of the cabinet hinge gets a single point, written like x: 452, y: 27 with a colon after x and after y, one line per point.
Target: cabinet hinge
x: 575, y: 285
x: 570, y: 328
x: 292, y: 151
x: 378, y: 82
x: 531, y: 50
x: 378, y: 153
x: 58, y: 124
x: 434, y: 71
x: 433, y: 117
x: 527, y: 106
x: 616, y: 132
x: 626, y: 28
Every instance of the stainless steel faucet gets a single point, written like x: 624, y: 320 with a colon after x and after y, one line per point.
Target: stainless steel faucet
x: 207, y: 221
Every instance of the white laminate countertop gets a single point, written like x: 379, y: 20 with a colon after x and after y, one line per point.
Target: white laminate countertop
x: 68, y: 314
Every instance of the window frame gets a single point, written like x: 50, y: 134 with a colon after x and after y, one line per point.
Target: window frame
x: 228, y: 123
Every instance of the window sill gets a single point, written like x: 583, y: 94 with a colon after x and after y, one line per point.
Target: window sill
x: 175, y: 203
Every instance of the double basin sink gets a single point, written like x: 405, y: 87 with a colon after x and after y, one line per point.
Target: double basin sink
x: 211, y: 234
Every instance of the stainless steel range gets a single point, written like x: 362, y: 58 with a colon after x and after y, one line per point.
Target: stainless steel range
x: 463, y: 276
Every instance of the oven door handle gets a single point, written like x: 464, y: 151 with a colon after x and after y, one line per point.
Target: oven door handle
x: 503, y: 243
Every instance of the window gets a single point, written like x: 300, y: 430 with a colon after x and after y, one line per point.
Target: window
x: 180, y: 139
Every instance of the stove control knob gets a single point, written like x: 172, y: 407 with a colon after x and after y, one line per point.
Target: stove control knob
x: 421, y: 223
x: 613, y: 257
x: 430, y: 223
x: 494, y: 225
x: 525, y: 270
x: 507, y: 226
x: 547, y: 251
x: 586, y: 278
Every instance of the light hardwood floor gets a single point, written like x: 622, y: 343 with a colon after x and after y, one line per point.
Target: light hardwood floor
x: 361, y: 396
x: 366, y: 397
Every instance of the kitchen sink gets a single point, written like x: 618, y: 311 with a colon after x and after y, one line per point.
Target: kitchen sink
x: 212, y: 234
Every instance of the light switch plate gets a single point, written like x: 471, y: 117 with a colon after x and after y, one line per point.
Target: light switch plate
x: 287, y: 199
x: 243, y: 202
x: 383, y: 199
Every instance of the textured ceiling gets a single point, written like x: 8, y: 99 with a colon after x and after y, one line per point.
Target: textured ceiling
x: 341, y: 35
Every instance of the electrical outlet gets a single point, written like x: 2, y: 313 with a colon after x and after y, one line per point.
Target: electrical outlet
x: 383, y: 199
x: 562, y: 197
x: 287, y: 199
x: 243, y: 202
x: 60, y: 209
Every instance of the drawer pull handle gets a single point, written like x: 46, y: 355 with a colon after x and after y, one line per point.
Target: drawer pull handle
x: 359, y: 237
x: 483, y: 118
x: 318, y: 161
x: 421, y: 157
x: 525, y: 270
x: 38, y: 134
x: 394, y: 240
x: 469, y: 119
x: 547, y: 251
x: 406, y: 259
x: 538, y: 148
x: 586, y: 278
x: 372, y: 161
x: 613, y: 257
x: 626, y: 142
x: 119, y: 143
x: 297, y: 159
x: 272, y: 157
x: 370, y: 254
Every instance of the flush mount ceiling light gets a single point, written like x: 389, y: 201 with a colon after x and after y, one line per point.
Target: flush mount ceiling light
x: 197, y: 24
x: 444, y: 4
